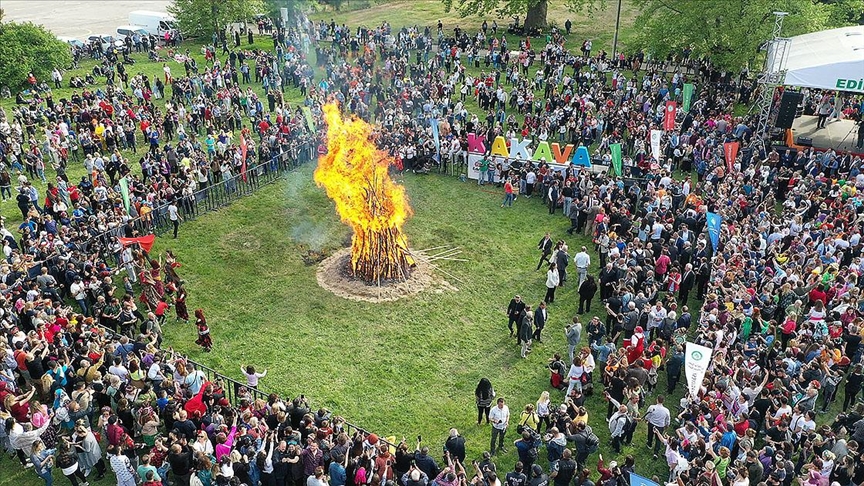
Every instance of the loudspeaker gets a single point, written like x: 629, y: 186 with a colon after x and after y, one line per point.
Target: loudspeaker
x: 804, y: 141
x: 788, y: 107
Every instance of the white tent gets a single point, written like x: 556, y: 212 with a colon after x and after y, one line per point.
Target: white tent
x: 830, y: 59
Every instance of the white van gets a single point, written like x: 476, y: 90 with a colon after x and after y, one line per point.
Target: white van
x: 125, y: 31
x: 156, y: 23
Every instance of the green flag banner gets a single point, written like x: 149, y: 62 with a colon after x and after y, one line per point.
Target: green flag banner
x: 309, y: 121
x: 688, y: 96
x: 615, y: 148
x: 124, y: 191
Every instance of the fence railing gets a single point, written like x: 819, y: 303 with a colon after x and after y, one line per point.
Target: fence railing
x: 218, y: 193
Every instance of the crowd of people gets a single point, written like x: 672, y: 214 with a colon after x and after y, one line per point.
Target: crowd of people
x: 778, y: 297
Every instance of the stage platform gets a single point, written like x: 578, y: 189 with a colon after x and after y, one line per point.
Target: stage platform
x: 840, y: 135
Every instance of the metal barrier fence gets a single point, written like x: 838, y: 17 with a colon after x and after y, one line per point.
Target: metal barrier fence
x: 217, y: 194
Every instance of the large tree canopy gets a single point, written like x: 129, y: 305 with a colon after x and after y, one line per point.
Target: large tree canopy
x: 534, y: 10
x: 26, y: 48
x: 203, y: 17
x: 730, y: 32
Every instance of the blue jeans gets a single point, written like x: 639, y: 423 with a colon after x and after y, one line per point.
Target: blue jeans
x: 46, y: 475
x: 508, y: 200
x: 82, y: 303
x: 490, y: 176
x: 482, y: 177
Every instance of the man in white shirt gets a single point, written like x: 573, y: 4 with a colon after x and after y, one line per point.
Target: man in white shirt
x: 658, y: 418
x: 174, y: 216
x: 79, y: 292
x: 500, y: 418
x: 154, y: 373
x: 582, y: 261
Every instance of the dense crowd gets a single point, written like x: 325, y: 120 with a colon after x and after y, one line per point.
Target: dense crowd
x: 778, y: 296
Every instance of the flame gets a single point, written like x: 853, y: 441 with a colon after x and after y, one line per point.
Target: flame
x: 354, y: 173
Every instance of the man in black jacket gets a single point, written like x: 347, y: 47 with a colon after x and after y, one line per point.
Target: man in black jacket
x: 563, y: 470
x: 541, y: 316
x: 425, y: 462
x: 455, y: 445
x: 514, y: 313
x: 688, y: 280
x: 545, y: 246
x: 673, y: 369
x: 180, y: 460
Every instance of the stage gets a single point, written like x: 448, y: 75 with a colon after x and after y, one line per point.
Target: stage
x: 840, y: 135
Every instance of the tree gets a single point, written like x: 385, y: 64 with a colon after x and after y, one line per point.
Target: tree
x: 534, y: 10
x: 273, y: 8
x: 199, y: 18
x: 730, y: 33
x: 26, y: 48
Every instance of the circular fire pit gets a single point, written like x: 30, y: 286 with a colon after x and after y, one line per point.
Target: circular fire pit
x: 333, y: 274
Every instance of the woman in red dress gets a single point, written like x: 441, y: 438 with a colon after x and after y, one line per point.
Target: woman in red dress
x: 180, y: 304
x: 203, y: 331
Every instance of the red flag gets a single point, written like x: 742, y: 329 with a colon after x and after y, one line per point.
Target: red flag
x: 146, y: 242
x: 243, y: 149
x: 669, y: 116
x: 730, y: 151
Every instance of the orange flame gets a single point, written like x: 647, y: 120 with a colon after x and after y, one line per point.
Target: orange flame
x: 354, y: 173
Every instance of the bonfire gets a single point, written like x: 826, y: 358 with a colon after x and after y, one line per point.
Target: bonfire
x: 355, y: 175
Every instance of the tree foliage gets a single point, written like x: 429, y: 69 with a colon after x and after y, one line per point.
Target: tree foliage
x: 730, y: 32
x: 26, y: 48
x: 203, y: 17
x: 506, y: 8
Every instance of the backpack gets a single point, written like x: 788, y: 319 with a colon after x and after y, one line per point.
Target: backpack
x: 652, y: 376
x: 592, y: 442
x: 532, y: 452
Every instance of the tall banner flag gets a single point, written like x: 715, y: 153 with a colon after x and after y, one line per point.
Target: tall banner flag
x: 713, y: 221
x: 696, y: 360
x: 655, y: 144
x: 637, y: 480
x: 730, y: 151
x: 146, y: 242
x: 669, y: 116
x: 124, y: 191
x: 615, y: 148
x: 688, y: 96
x: 243, y: 150
x: 310, y: 122
x: 433, y: 122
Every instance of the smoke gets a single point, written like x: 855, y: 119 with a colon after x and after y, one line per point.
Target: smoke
x: 303, y: 230
x: 310, y: 234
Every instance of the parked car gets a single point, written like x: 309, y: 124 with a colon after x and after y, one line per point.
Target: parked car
x: 105, y: 40
x: 72, y: 41
x: 125, y: 31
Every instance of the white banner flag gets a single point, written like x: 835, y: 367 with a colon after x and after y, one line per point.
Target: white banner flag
x: 696, y: 360
x: 655, y: 144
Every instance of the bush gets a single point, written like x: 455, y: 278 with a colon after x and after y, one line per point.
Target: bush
x: 26, y: 48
